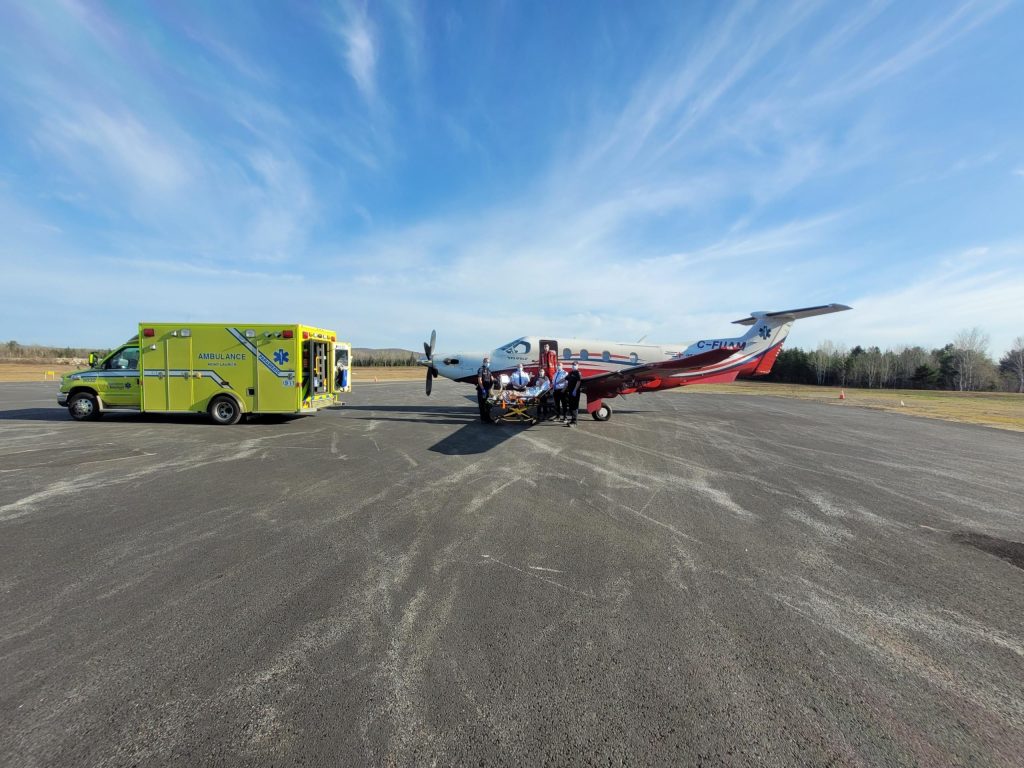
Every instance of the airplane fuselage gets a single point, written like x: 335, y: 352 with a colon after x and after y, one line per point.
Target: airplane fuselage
x: 596, y: 357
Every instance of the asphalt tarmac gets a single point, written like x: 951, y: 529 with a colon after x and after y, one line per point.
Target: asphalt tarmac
x: 702, y: 580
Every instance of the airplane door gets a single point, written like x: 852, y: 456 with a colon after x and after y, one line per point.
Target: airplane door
x: 552, y: 346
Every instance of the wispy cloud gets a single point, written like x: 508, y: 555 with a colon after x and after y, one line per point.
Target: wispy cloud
x: 966, y: 17
x: 360, y: 47
x: 978, y: 287
x: 128, y: 148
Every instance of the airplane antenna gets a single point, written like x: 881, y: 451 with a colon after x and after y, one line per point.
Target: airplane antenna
x: 640, y: 340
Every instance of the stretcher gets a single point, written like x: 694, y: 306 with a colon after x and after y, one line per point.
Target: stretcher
x: 509, y: 406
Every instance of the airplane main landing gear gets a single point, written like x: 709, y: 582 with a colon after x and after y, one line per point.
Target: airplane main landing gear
x: 600, y: 411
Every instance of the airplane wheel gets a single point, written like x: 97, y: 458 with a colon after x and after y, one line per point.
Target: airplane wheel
x: 603, y: 413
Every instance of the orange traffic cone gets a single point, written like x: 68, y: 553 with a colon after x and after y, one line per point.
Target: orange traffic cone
x: 842, y: 394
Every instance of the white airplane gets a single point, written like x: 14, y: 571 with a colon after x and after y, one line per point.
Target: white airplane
x: 610, y: 369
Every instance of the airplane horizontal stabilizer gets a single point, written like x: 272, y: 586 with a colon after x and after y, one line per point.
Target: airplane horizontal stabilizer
x: 793, y: 314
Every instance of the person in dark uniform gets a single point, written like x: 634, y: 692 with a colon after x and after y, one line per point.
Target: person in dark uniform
x: 573, y: 385
x: 484, y: 382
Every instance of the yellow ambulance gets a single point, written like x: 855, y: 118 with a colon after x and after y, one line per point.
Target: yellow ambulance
x: 224, y: 370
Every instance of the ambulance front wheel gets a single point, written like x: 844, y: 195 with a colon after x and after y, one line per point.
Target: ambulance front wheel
x: 224, y: 410
x: 84, y: 407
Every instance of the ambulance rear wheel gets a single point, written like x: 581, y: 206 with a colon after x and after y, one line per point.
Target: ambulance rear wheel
x: 84, y: 407
x: 224, y: 410
x: 603, y: 413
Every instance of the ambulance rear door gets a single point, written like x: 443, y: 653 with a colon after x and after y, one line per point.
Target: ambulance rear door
x: 342, y: 368
x: 317, y: 372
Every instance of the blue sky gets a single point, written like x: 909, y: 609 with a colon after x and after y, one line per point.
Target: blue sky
x: 491, y: 169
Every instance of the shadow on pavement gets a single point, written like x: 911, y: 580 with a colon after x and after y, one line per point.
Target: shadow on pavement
x: 123, y: 416
x: 475, y: 437
x: 35, y: 414
x: 425, y: 410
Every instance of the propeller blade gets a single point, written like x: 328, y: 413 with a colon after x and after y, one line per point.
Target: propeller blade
x: 428, y: 351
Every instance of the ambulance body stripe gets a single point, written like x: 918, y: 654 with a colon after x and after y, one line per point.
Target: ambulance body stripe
x: 182, y: 374
x: 266, y: 361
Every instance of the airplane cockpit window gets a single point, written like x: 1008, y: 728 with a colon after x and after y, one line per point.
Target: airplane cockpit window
x: 517, y: 347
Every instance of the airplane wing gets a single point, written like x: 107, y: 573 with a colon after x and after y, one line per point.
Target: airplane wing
x: 635, y: 376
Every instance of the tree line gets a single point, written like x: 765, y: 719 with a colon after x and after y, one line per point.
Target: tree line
x: 13, y: 350
x: 962, y: 365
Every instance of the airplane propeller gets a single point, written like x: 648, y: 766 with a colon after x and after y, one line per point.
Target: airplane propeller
x: 428, y: 350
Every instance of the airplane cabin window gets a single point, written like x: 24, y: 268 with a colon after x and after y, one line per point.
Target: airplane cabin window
x: 633, y: 358
x: 584, y: 355
x: 606, y: 356
x: 567, y: 353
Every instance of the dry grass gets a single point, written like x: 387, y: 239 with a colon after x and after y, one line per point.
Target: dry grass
x: 1003, y: 410
x: 397, y: 373
x: 33, y: 371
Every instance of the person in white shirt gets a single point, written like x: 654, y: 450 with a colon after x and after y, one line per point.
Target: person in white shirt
x: 519, y: 379
x: 561, y: 379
